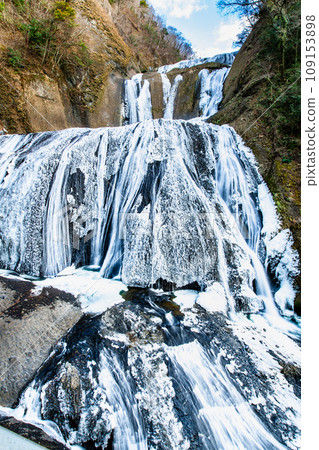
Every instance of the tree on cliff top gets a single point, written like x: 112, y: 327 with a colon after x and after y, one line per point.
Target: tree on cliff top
x: 43, y: 35
x: 282, y: 26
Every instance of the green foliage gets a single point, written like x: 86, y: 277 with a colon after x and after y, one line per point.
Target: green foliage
x: 133, y: 40
x: 2, y: 8
x: 277, y: 60
x: 283, y: 105
x: 282, y: 48
x: 36, y: 32
x: 20, y: 4
x: 281, y: 28
x: 63, y: 11
x: 81, y: 60
x: 143, y: 3
x: 49, y: 36
x: 111, y: 2
x: 83, y: 46
x: 15, y: 58
x: 288, y: 111
x: 83, y: 57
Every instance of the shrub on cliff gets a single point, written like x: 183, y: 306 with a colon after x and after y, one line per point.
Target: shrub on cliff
x: 46, y: 35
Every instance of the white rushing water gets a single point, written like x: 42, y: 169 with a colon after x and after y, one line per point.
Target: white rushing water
x: 137, y: 99
x: 211, y: 91
x: 143, y: 213
x: 130, y: 433
x: 57, y: 248
x: 124, y: 396
x: 224, y: 419
x: 156, y: 203
x: 169, y: 108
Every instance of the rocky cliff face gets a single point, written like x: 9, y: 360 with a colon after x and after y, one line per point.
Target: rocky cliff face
x: 68, y: 71
x: 263, y: 106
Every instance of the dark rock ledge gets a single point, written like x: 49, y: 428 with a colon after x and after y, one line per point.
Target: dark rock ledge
x: 30, y: 326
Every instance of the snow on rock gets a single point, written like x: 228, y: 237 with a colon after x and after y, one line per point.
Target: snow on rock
x: 223, y: 58
x: 213, y: 299
x: 283, y: 261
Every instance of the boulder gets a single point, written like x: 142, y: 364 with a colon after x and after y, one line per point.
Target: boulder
x: 30, y: 325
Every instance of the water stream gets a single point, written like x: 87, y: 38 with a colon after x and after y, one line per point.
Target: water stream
x: 162, y: 206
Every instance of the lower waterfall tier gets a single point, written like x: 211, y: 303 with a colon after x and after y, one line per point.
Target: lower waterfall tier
x: 147, y: 374
x: 161, y: 204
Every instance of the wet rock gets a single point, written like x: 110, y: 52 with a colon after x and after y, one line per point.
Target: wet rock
x: 128, y: 359
x: 31, y: 432
x: 30, y: 323
x: 292, y: 374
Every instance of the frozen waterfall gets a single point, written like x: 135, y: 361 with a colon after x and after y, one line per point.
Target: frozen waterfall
x: 150, y: 202
x: 137, y: 100
x: 137, y: 95
x: 192, y: 353
x: 211, y: 90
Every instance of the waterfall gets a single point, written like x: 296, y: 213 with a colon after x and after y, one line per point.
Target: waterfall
x: 223, y: 58
x: 211, y: 90
x: 222, y: 423
x: 57, y: 248
x: 169, y: 99
x: 235, y: 184
x: 135, y: 391
x: 103, y: 212
x: 178, y: 211
x: 143, y: 212
x: 166, y: 89
x: 137, y: 100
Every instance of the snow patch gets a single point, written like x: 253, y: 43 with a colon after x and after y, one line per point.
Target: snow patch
x: 271, y: 222
x: 213, y: 299
x: 95, y: 293
x: 185, y: 298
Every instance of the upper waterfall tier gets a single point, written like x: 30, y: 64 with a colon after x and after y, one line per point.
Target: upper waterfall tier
x: 188, y: 89
x: 223, y: 58
x: 166, y: 203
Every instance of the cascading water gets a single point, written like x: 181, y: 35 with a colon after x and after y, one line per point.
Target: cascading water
x: 151, y: 216
x: 137, y: 100
x: 176, y: 205
x: 224, y: 419
x: 223, y: 58
x: 164, y: 382
x: 211, y: 90
x: 169, y: 104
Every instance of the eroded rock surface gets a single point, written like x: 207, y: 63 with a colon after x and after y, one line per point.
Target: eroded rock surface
x: 147, y: 373
x: 30, y: 325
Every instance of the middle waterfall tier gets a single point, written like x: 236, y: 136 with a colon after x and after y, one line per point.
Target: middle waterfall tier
x: 161, y: 203
x: 180, y: 94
